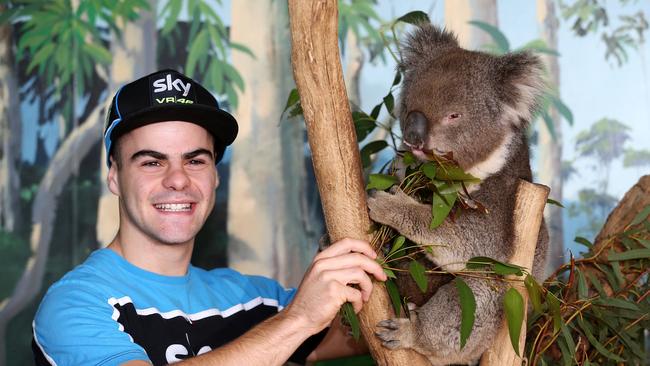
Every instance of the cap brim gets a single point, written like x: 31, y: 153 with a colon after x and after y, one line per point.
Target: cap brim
x: 221, y: 124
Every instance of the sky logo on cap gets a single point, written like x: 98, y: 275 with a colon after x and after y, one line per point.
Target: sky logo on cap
x: 166, y: 84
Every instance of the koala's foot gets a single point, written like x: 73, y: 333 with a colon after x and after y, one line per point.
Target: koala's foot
x: 396, y: 333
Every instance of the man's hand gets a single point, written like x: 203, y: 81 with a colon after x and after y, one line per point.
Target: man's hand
x: 325, y: 286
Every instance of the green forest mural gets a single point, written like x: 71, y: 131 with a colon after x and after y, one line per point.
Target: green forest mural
x: 61, y: 59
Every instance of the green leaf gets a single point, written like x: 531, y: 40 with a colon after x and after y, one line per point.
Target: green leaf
x: 641, y: 216
x: 583, y: 241
x: 398, y: 78
x: 440, y: 208
x: 539, y: 46
x: 617, y: 303
x: 198, y: 47
x: 241, y: 48
x: 570, y: 343
x: 499, y: 38
x: 393, y: 293
x: 554, y: 202
x: 554, y: 309
x: 479, y: 262
x: 375, y: 111
x: 414, y: 17
x: 630, y: 254
x: 97, y: 52
x: 513, y: 305
x: 429, y: 169
x: 389, y: 102
x: 594, y: 342
x: 381, y: 181
x: 467, y: 310
x: 408, y: 158
x: 447, y: 188
x: 452, y: 172
x: 371, y: 148
x: 351, y: 318
x: 363, y: 124
x: 418, y: 273
x: 534, y: 293
x: 389, y: 272
x: 503, y: 269
x: 292, y: 99
x: 563, y: 109
x: 397, y: 244
x: 583, y: 290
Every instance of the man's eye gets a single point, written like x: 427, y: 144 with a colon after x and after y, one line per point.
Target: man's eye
x: 151, y: 163
x: 197, y: 162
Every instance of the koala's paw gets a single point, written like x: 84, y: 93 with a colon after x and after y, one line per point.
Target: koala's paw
x: 395, y: 333
x: 383, y: 206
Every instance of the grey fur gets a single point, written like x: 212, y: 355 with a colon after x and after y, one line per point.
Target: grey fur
x: 495, y: 96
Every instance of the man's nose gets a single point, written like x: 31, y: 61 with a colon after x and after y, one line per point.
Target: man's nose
x: 415, y: 129
x: 176, y: 178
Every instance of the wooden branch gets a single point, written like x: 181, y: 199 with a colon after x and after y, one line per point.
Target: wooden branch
x: 335, y: 153
x: 529, y: 208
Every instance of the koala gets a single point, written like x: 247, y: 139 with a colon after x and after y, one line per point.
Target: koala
x: 477, y: 106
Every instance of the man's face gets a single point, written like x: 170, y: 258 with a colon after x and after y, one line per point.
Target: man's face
x: 166, y: 181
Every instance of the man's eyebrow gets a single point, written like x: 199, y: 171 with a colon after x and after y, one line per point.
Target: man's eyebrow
x: 151, y: 153
x: 197, y: 152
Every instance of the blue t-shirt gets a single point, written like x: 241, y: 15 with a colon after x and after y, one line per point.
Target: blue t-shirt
x: 107, y: 311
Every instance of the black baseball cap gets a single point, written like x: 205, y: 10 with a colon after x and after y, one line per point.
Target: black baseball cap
x: 168, y: 95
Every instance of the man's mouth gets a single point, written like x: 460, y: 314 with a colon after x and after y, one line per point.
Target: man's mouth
x: 174, y: 207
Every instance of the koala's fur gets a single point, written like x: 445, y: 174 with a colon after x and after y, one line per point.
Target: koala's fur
x: 477, y: 106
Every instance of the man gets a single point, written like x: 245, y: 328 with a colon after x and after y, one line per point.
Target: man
x: 140, y: 302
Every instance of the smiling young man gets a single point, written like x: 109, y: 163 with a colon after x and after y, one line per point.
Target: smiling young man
x: 140, y: 301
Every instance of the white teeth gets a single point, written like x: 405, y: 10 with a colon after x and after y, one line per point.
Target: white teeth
x: 174, y: 206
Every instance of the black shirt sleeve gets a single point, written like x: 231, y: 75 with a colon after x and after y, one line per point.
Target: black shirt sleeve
x: 306, y: 348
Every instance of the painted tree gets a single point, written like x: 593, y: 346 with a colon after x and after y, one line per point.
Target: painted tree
x: 134, y: 52
x: 10, y: 131
x: 459, y: 13
x: 271, y: 231
x: 549, y: 170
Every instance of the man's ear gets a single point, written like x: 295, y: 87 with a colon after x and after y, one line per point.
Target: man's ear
x: 111, y: 179
x: 216, y: 181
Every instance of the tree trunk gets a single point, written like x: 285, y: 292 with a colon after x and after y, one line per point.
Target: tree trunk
x: 550, y: 149
x: 10, y: 133
x: 61, y: 168
x: 134, y: 55
x: 529, y: 208
x: 459, y: 12
x: 268, y: 223
x: 335, y: 154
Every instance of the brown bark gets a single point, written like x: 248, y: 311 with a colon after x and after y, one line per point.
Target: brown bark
x: 10, y: 127
x: 529, y: 208
x: 335, y: 154
x: 550, y: 149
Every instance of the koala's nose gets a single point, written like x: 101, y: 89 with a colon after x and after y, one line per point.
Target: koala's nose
x: 415, y: 129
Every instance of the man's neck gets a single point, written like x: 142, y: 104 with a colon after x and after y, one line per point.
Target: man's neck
x: 163, y: 259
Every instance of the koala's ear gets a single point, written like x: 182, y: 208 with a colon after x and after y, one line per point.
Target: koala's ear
x: 521, y: 86
x: 424, y: 43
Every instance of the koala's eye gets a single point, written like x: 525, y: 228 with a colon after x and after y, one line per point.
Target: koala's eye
x: 452, y: 117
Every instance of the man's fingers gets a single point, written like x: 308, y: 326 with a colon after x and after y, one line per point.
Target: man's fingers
x: 350, y: 276
x: 345, y: 246
x: 354, y: 296
x: 350, y: 260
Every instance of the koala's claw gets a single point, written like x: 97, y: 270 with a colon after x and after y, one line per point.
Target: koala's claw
x: 395, y: 333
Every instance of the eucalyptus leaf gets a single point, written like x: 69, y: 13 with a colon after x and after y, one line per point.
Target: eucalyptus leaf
x: 534, y: 293
x: 389, y: 272
x: 429, y: 169
x: 371, y: 148
x: 418, y: 273
x: 554, y: 309
x: 583, y: 241
x: 507, y: 269
x: 414, y: 17
x: 499, y: 38
x: 452, y: 172
x: 641, y: 216
x: 566, y: 333
x: 440, y: 208
x: 408, y: 158
x: 594, y: 342
x: 513, y: 306
x: 630, y: 254
x: 397, y: 244
x: 351, y: 318
x: 554, y: 202
x: 393, y: 293
x: 381, y: 181
x: 467, y: 310
x: 583, y: 290
x: 479, y: 262
x: 292, y: 99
